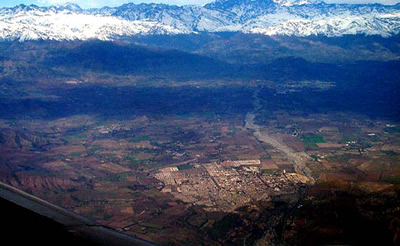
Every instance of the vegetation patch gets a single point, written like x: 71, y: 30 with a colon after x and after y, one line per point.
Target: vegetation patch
x: 391, y: 179
x: 341, y: 158
x: 392, y: 129
x: 107, y: 217
x: 152, y: 225
x: 78, y: 136
x: 391, y: 153
x: 223, y: 226
x: 140, y: 139
x: 267, y: 171
x: 311, y: 141
x: 184, y: 167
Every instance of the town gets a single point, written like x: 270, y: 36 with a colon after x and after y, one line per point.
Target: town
x: 228, y: 185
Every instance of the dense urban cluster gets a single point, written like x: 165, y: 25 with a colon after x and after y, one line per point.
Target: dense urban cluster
x: 228, y: 185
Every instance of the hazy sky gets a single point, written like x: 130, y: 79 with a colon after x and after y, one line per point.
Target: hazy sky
x: 101, y: 3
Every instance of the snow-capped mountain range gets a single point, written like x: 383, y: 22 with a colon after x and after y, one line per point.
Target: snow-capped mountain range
x: 269, y: 17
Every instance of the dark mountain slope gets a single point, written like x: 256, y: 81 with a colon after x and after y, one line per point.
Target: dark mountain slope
x: 137, y: 60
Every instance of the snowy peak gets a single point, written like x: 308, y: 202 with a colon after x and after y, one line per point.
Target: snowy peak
x: 22, y: 7
x: 65, y: 24
x: 31, y: 8
x: 69, y: 6
x: 229, y: 5
x: 295, y: 2
x: 267, y: 17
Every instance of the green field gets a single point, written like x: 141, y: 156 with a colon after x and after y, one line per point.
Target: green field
x: 184, y: 167
x: 140, y: 139
x: 311, y: 141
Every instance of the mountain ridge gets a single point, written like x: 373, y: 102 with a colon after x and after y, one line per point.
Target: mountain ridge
x: 267, y: 17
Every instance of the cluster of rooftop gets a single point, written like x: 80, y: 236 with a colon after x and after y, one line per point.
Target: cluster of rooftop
x: 228, y: 185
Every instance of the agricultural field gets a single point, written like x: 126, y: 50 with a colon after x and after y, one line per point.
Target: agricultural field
x: 205, y: 163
